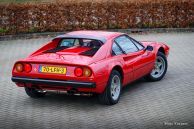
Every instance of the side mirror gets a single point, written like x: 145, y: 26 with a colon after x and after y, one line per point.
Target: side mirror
x: 149, y: 48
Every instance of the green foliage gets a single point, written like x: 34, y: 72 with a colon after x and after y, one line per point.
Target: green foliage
x: 33, y: 29
x: 191, y: 24
x: 2, y: 30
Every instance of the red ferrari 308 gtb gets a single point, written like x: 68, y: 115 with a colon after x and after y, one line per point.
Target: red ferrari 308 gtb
x: 90, y: 62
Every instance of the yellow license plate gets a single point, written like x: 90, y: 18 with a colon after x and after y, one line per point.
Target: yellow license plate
x: 52, y: 69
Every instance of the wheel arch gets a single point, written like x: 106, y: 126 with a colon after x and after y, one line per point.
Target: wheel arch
x: 161, y: 49
x: 120, y: 70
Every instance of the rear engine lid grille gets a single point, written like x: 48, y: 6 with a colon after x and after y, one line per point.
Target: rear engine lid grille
x: 90, y: 52
x: 57, y: 49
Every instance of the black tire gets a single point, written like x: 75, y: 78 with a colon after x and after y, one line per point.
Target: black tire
x: 150, y: 77
x: 33, y: 93
x: 106, y: 97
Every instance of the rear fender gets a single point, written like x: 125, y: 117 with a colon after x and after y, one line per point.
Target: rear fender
x: 49, y: 45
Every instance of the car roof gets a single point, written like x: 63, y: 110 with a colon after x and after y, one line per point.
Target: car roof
x: 103, y: 36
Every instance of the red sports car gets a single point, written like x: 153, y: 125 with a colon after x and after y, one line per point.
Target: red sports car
x: 84, y: 62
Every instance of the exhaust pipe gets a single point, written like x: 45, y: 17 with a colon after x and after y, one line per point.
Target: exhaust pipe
x: 71, y: 92
x: 74, y: 91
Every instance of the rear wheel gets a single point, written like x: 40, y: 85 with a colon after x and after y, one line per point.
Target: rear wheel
x: 159, y: 69
x: 34, y: 93
x: 112, y: 92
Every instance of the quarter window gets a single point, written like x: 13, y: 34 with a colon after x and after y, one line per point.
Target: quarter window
x: 126, y: 44
x: 116, y: 50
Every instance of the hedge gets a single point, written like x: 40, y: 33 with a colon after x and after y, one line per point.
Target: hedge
x: 65, y: 16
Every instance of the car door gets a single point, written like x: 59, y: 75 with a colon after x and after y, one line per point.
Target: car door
x: 133, y: 64
x: 118, y: 53
x: 144, y: 62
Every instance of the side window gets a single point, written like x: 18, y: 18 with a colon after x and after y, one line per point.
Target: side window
x: 116, y: 50
x: 140, y: 47
x: 126, y: 44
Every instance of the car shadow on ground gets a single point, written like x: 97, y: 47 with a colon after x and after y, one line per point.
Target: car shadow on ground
x: 61, y: 99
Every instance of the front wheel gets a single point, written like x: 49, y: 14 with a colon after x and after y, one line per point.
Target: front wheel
x: 159, y: 69
x: 112, y: 92
x: 34, y: 93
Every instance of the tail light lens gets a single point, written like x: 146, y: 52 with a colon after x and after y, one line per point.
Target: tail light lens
x: 87, y: 72
x: 22, y: 67
x: 82, y: 71
x: 19, y: 67
x: 78, y: 72
x: 27, y: 68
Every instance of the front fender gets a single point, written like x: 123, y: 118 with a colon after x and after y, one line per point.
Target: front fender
x: 163, y: 46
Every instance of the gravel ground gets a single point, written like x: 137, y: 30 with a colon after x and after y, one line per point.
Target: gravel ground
x: 168, y: 103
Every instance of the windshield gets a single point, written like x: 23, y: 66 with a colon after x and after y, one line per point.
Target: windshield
x: 73, y: 42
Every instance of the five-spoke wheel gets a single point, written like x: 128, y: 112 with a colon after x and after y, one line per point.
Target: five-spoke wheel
x: 115, y: 87
x: 159, y: 69
x: 112, y: 92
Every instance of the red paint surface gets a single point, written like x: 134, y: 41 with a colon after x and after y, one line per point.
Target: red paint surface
x: 133, y: 65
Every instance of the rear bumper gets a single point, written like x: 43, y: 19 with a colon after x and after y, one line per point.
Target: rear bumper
x: 73, y: 84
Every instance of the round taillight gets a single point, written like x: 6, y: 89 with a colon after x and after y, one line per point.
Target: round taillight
x: 78, y: 72
x: 87, y: 72
x: 19, y: 67
x: 27, y: 68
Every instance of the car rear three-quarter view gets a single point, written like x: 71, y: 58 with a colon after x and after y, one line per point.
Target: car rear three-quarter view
x: 90, y: 62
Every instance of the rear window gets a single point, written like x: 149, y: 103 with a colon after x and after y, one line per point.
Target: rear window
x: 69, y: 42
x: 89, y: 46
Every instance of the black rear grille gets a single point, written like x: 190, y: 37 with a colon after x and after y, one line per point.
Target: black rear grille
x: 90, y: 52
x: 57, y: 49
